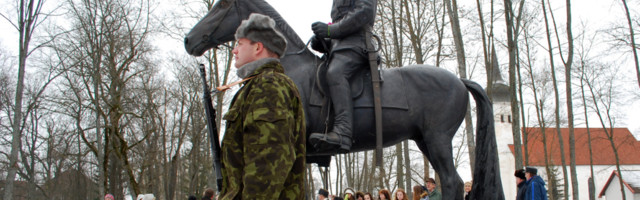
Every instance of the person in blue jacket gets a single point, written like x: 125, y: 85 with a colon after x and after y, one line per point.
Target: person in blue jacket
x: 535, y: 189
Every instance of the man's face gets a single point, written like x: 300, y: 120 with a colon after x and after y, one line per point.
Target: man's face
x: 431, y: 186
x: 245, y: 52
x: 518, y: 180
x: 528, y: 175
x: 321, y: 197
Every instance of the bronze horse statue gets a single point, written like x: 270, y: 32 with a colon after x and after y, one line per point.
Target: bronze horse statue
x: 420, y: 102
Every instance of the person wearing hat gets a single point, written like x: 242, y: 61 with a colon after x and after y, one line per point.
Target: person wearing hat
x: 534, y: 188
x: 344, y: 40
x: 264, y: 146
x: 431, y: 189
x: 521, y: 181
x: 323, y: 194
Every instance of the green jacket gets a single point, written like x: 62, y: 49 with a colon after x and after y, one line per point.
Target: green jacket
x: 435, y: 195
x: 263, y: 149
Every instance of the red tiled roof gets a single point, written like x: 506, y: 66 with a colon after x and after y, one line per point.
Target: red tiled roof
x: 628, y: 146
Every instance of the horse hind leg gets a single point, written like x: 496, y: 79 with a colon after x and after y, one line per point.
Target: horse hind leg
x: 438, y: 149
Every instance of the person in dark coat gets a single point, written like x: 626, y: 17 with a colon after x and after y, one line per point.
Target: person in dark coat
x: 467, y: 189
x: 521, y: 181
x: 345, y: 38
x: 535, y: 189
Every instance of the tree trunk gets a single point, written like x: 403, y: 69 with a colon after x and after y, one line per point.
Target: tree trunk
x: 592, y: 192
x: 572, y: 140
x: 539, y: 105
x: 452, y: 8
x: 407, y: 167
x: 440, y: 31
x: 399, y: 169
x: 28, y: 14
x: 557, y: 102
x: 633, y: 40
x: 511, y: 46
x: 609, y: 134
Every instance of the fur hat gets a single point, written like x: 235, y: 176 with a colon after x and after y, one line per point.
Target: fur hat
x: 520, y: 174
x: 261, y: 28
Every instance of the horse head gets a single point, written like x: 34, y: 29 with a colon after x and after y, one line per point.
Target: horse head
x: 219, y: 26
x: 215, y: 28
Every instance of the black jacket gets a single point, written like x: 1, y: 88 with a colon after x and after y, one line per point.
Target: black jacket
x: 522, y: 189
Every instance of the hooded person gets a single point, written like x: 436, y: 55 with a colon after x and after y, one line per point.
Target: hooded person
x: 535, y: 186
x: 263, y: 149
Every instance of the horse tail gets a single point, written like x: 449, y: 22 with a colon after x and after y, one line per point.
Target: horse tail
x: 486, y: 175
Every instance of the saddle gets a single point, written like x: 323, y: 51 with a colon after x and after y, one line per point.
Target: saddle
x: 392, y: 89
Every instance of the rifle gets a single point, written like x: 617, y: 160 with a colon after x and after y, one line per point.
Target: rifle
x: 213, y: 129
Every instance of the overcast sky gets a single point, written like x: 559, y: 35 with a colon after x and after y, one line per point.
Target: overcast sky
x: 301, y: 13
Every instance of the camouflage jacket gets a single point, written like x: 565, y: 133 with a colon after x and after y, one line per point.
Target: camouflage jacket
x: 263, y: 149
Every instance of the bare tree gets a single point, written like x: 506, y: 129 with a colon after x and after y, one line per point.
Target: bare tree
x: 633, y: 40
x: 583, y: 50
x: 557, y: 96
x: 604, y: 95
x: 110, y: 50
x: 572, y: 141
x: 452, y: 10
x: 513, y: 27
x: 29, y: 17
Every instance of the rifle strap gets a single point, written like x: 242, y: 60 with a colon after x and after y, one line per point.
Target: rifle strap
x: 226, y: 87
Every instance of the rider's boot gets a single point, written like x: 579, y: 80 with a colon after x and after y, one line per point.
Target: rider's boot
x: 339, y: 138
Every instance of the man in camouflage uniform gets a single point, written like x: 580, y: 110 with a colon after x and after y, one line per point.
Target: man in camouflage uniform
x: 263, y: 150
x: 345, y: 38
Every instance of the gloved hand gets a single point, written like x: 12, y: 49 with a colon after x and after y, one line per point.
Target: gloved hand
x: 320, y: 29
x: 317, y: 44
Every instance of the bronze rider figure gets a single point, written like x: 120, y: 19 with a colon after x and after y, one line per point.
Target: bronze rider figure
x: 345, y: 38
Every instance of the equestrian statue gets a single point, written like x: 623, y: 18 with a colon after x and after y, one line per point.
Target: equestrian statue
x: 419, y: 102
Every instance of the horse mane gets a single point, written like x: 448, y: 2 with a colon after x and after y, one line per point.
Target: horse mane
x: 280, y: 22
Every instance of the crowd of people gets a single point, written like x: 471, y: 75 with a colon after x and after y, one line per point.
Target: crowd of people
x: 420, y: 192
x: 530, y: 187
